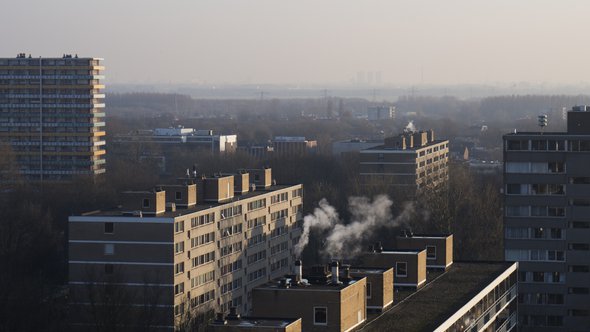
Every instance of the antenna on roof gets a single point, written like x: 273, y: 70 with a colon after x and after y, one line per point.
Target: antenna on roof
x: 542, y: 122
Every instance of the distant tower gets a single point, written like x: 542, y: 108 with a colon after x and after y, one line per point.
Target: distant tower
x: 53, y: 115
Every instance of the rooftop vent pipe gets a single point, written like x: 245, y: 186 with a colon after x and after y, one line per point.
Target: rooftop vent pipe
x: 334, y: 266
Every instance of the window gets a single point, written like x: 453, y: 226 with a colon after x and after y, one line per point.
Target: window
x: 516, y: 189
x: 202, y: 239
x: 517, y: 167
x: 109, y: 227
x: 516, y: 255
x: 556, y: 233
x: 556, y: 167
x: 202, y: 279
x: 320, y: 315
x: 555, y: 277
x: 179, y: 309
x: 516, y: 145
x: 401, y: 269
x: 430, y: 252
x: 517, y: 233
x: 556, y: 212
x: 179, y: 226
x: 369, y: 290
x: 179, y: 288
x: 538, y: 276
x: 257, y: 204
x: 178, y: 195
x: 179, y: 268
x: 538, y: 233
x: 179, y: 247
x: 517, y: 211
x: 555, y: 255
x: 146, y: 202
x: 109, y: 249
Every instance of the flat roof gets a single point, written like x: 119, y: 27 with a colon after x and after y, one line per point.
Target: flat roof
x: 442, y: 296
x: 426, y: 236
x: 274, y: 285
x: 401, y: 251
x: 199, y: 207
x: 414, y: 148
x: 545, y: 133
x: 368, y: 270
x: 257, y: 322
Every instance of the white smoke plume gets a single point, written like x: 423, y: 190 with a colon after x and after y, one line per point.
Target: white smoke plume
x: 410, y: 127
x: 323, y: 217
x: 346, y: 240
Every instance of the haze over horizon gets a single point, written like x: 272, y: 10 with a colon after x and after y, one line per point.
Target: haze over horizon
x: 310, y: 42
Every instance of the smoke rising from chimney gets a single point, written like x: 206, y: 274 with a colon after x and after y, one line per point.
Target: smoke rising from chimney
x: 323, y: 217
x: 367, y: 217
x: 410, y: 127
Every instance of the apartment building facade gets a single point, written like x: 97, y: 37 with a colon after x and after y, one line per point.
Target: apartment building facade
x: 51, y: 115
x: 547, y: 223
x: 293, y: 146
x: 194, y: 247
x: 410, y: 161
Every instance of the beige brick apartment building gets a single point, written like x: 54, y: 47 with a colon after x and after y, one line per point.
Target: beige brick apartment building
x: 199, y: 245
x: 409, y: 161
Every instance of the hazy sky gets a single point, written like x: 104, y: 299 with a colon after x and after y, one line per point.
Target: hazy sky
x: 309, y: 41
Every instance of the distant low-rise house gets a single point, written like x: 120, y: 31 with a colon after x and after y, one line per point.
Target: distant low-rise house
x: 293, y: 146
x: 180, y: 136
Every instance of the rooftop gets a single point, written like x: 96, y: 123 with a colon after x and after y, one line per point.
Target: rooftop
x: 368, y: 270
x: 196, y: 208
x: 401, y: 251
x: 443, y: 295
x: 257, y: 322
x: 275, y: 285
x: 407, y: 149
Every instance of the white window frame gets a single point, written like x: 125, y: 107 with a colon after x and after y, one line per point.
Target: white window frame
x: 314, y: 316
x: 397, y: 274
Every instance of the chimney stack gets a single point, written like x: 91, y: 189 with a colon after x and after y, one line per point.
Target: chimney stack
x: 298, y: 270
x: 335, y: 278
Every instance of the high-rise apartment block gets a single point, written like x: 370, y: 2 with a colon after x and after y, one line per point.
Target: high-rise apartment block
x: 547, y: 223
x: 51, y: 114
x: 201, y: 245
x: 411, y: 161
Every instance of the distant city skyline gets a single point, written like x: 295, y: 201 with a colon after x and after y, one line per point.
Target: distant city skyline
x: 309, y: 42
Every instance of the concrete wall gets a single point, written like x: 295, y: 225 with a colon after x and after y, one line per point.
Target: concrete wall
x: 416, y: 265
x: 343, y: 305
x: 443, y: 245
